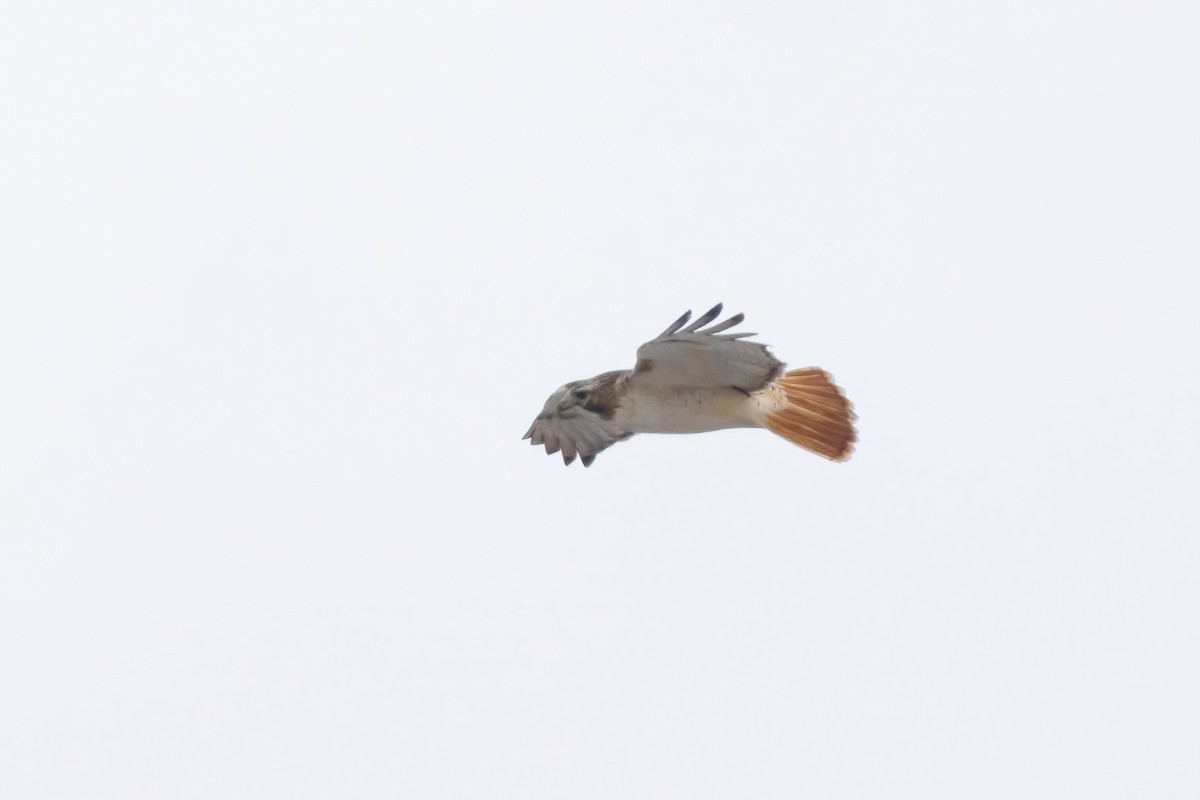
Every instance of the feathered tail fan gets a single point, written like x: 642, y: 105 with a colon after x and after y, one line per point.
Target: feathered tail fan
x: 817, y: 416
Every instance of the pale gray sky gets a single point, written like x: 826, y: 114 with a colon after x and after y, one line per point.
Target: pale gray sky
x: 284, y: 284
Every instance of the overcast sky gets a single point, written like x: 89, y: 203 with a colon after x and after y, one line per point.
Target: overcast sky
x: 284, y: 284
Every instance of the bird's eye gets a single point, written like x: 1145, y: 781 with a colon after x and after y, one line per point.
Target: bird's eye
x: 579, y: 394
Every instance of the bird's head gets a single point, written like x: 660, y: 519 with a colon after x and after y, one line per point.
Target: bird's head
x: 569, y: 398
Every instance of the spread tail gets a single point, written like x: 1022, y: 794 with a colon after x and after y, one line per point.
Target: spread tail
x: 813, y: 413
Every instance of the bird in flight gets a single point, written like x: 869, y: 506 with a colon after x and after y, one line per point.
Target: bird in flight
x: 692, y: 380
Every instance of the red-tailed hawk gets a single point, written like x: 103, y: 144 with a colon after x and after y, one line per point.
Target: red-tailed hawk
x: 696, y: 379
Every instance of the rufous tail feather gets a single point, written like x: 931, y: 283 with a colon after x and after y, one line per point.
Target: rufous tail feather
x: 817, y: 416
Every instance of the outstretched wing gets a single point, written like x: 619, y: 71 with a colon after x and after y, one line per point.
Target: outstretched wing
x: 575, y: 431
x: 706, y: 358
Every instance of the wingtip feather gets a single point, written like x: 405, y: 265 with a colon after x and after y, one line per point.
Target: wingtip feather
x: 705, y: 318
x: 676, y: 325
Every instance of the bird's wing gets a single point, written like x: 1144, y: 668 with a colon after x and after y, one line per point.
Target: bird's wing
x: 575, y: 431
x: 706, y: 358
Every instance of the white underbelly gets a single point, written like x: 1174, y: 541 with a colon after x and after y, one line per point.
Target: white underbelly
x: 685, y: 411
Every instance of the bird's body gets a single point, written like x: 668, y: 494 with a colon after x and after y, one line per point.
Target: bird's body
x: 693, y: 381
x: 678, y: 409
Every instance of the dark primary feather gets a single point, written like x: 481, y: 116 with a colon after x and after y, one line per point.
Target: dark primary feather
x: 736, y: 319
x: 705, y: 318
x: 676, y: 325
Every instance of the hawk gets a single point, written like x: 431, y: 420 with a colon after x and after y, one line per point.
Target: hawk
x: 692, y: 380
